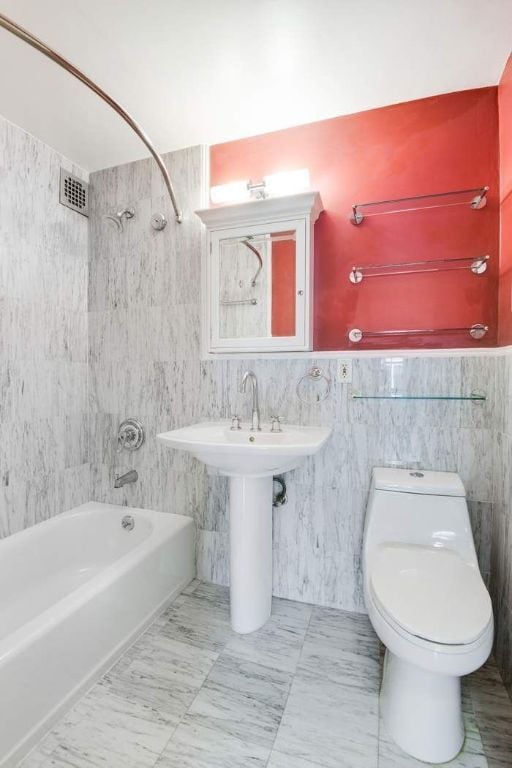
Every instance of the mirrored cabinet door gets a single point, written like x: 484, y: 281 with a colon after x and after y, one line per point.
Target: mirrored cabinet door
x: 258, y: 287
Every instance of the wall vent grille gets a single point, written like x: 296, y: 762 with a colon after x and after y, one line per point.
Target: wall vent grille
x: 74, y: 192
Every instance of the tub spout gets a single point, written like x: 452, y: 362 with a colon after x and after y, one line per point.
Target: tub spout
x: 128, y: 477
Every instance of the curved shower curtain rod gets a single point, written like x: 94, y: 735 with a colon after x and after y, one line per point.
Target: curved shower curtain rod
x: 258, y: 256
x: 25, y: 35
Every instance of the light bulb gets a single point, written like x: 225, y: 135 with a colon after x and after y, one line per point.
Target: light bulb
x: 287, y: 182
x: 234, y: 191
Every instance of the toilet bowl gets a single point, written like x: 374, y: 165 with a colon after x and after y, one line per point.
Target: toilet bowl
x: 427, y: 603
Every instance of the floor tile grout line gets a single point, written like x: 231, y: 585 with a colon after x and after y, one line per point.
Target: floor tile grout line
x: 180, y: 721
x: 173, y: 731
x: 292, y: 678
x: 219, y: 655
x: 206, y: 680
x: 186, y: 712
x: 313, y: 606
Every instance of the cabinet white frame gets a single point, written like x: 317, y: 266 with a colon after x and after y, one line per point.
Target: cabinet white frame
x: 293, y: 212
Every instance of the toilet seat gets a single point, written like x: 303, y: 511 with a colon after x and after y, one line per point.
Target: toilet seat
x: 430, y: 592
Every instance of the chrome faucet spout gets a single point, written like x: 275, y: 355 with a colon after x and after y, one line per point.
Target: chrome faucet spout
x: 128, y: 477
x: 255, y: 416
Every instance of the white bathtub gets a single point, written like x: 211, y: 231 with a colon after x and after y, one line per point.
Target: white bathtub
x: 74, y: 592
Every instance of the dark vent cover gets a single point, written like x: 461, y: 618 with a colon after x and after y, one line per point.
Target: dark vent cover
x: 74, y: 193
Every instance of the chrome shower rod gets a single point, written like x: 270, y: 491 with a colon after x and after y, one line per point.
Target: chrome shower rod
x: 46, y: 50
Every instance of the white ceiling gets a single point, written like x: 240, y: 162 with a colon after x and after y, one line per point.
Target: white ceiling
x: 207, y: 71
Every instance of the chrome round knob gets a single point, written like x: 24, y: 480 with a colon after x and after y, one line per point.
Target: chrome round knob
x: 128, y: 523
x: 158, y: 221
x: 130, y: 435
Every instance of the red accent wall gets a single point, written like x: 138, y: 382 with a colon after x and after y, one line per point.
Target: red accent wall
x: 505, y: 279
x: 419, y: 147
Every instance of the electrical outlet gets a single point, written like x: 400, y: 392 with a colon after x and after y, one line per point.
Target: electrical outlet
x: 345, y: 371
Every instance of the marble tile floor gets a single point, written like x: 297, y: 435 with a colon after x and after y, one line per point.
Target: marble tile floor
x: 302, y: 692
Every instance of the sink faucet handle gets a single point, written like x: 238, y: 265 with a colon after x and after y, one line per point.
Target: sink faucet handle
x: 235, y: 422
x: 276, y: 423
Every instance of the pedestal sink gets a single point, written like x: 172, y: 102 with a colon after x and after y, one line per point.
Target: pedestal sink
x: 249, y: 459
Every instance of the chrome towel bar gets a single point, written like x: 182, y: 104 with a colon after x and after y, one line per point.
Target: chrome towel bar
x: 476, y: 201
x: 252, y: 302
x: 476, y: 265
x: 476, y: 331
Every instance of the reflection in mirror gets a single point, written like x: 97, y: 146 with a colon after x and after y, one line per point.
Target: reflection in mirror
x: 257, y: 285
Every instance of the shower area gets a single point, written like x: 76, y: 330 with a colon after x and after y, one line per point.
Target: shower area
x: 99, y: 319
x: 99, y: 314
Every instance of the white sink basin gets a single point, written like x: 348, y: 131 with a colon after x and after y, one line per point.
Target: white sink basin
x: 243, y: 453
x: 250, y: 459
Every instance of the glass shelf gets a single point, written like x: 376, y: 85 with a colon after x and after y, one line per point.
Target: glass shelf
x: 474, y: 397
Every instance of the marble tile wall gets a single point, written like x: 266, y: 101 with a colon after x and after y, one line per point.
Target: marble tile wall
x: 43, y: 336
x: 501, y: 530
x: 144, y: 325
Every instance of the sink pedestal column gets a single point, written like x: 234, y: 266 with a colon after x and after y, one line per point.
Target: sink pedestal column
x: 250, y: 530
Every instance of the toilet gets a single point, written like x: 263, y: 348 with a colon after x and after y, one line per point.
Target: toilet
x: 428, y: 604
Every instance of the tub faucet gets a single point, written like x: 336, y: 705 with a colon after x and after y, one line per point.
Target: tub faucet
x: 255, y: 420
x: 128, y: 477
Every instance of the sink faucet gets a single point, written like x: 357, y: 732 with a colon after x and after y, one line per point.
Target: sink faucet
x: 128, y: 477
x: 255, y: 419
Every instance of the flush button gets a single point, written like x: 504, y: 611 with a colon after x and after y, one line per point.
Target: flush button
x: 416, y: 474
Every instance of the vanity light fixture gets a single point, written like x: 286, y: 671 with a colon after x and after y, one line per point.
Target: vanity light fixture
x: 287, y: 182
x: 235, y: 191
x: 273, y: 185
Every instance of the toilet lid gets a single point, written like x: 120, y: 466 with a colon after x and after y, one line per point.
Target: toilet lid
x: 431, y: 593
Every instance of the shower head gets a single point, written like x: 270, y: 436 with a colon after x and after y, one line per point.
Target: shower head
x: 118, y: 218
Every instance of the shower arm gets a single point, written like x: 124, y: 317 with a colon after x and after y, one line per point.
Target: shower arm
x: 40, y: 46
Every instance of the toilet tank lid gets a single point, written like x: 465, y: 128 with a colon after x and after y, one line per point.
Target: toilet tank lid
x: 418, y: 481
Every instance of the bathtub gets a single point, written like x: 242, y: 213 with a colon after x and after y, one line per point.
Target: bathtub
x: 75, y: 592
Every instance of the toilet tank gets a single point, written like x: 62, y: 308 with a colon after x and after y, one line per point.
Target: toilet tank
x: 418, y: 507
